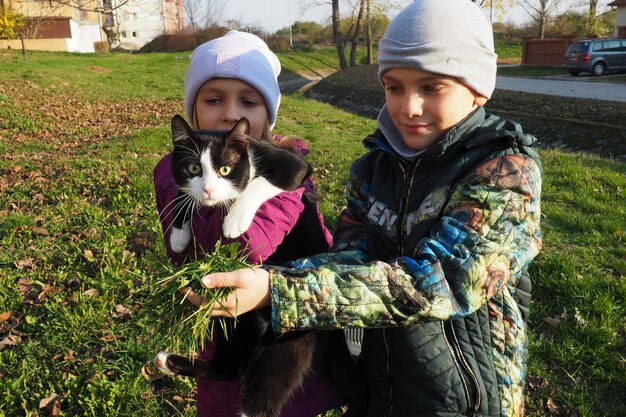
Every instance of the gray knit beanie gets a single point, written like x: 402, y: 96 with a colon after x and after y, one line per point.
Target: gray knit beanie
x: 238, y: 55
x: 447, y: 37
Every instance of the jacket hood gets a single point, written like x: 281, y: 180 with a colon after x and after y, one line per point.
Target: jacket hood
x: 479, y: 128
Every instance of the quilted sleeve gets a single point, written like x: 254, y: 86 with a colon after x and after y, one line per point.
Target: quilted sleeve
x: 488, y: 233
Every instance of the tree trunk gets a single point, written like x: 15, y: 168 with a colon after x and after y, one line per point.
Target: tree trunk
x: 368, y: 33
x: 23, y: 46
x: 593, y: 8
x: 343, y: 64
x: 357, y: 33
x: 542, y: 26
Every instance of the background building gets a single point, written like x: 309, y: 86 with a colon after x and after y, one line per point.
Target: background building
x: 77, y: 25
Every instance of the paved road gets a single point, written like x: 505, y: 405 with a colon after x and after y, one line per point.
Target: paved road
x: 565, y: 88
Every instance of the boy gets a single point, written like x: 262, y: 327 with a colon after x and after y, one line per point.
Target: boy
x: 431, y: 253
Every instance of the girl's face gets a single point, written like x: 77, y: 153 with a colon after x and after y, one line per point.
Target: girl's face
x: 221, y: 102
x: 423, y: 105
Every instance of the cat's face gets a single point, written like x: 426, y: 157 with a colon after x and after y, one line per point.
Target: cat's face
x: 210, y: 167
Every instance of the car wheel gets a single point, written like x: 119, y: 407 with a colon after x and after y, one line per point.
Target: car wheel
x: 598, y: 68
x: 575, y: 73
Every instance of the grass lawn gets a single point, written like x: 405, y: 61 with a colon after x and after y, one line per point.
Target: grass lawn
x: 80, y: 240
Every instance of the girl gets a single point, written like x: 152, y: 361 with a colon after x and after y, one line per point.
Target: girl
x: 229, y: 78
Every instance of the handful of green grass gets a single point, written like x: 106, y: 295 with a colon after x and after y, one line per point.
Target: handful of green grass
x: 184, y: 327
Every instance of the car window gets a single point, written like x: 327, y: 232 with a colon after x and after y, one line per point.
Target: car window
x: 598, y: 46
x: 623, y: 48
x: 578, y: 47
x: 612, y: 46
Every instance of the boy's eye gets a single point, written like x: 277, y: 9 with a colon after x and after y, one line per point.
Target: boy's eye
x: 392, y: 88
x: 212, y: 100
x: 194, y: 168
x: 225, y: 170
x: 433, y: 88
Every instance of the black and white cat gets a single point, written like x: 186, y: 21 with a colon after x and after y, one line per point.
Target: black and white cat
x: 231, y: 169
x: 241, y: 172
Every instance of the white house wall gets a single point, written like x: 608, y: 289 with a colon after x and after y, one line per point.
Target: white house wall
x: 139, y: 22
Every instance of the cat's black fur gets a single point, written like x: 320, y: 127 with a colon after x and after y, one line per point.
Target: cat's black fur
x: 256, y: 171
x: 270, y: 367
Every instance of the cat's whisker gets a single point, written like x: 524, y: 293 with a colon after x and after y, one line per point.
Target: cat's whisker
x: 180, y: 206
x: 169, y: 208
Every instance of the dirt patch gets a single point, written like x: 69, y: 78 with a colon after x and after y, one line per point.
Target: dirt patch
x: 99, y: 69
x: 571, y: 124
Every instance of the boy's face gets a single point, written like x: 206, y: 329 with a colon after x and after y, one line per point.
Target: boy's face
x: 221, y: 102
x: 423, y: 105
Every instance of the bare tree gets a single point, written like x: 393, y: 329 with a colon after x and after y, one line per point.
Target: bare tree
x: 368, y: 32
x: 357, y: 33
x: 539, y: 11
x: 204, y: 13
x: 496, y: 7
x: 367, y: 11
x: 336, y: 22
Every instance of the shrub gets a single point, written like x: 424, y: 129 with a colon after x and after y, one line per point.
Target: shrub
x: 101, y: 47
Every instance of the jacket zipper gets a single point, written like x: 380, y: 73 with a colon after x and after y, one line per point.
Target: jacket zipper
x: 470, y: 382
x: 389, y: 401
x: 405, y: 204
x: 403, y: 208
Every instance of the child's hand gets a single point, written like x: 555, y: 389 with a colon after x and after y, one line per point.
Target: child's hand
x: 251, y: 290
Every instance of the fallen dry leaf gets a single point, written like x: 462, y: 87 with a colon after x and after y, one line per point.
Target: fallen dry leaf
x: 122, y: 312
x: 546, y: 335
x: 552, y: 321
x: 40, y: 231
x: 24, y: 285
x: 535, y: 382
x: 149, y: 374
x: 25, y: 264
x: 69, y: 356
x: 552, y: 407
x: 89, y: 255
x: 10, y: 340
x: 52, y: 404
x: 5, y: 316
x: 92, y: 292
x: 47, y: 289
x: 109, y: 338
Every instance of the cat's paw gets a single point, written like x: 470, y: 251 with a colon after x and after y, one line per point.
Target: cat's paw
x: 160, y: 361
x: 237, y: 221
x: 179, y: 239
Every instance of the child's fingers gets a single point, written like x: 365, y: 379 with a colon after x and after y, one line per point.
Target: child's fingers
x: 191, y: 296
x: 224, y: 279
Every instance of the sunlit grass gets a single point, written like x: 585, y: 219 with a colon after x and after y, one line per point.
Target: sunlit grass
x: 79, y: 236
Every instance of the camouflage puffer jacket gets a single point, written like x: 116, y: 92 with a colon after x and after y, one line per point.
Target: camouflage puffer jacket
x: 431, y: 257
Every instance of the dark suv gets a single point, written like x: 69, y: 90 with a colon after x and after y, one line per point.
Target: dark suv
x: 596, y: 56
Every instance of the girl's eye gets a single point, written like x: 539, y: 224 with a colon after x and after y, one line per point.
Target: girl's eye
x: 225, y: 170
x: 194, y: 168
x: 248, y: 103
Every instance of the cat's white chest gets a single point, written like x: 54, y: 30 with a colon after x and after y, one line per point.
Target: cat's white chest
x: 241, y: 213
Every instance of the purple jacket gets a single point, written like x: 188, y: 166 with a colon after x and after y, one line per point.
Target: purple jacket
x: 286, y: 227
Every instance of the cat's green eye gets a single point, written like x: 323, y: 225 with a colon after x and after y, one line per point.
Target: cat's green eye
x: 225, y: 170
x: 194, y: 168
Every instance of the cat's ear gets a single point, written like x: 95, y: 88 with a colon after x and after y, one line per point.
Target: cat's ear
x: 180, y: 128
x: 238, y: 136
x: 242, y: 128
